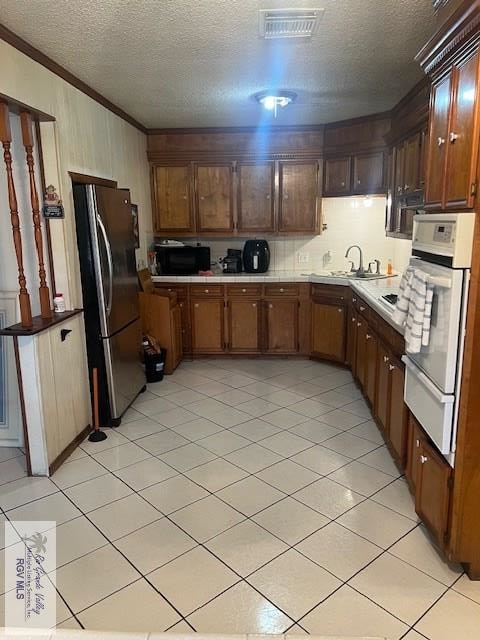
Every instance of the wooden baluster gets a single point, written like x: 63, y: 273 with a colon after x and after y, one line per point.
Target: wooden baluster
x: 44, y: 293
x: 24, y: 297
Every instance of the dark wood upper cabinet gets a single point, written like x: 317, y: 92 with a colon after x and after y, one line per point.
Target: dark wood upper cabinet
x: 432, y: 495
x: 462, y: 142
x: 337, y: 177
x: 369, y: 173
x: 411, y: 177
x: 298, y: 196
x: 172, y: 199
x: 438, y: 141
x: 256, y: 196
x: 328, y: 330
x: 214, y: 197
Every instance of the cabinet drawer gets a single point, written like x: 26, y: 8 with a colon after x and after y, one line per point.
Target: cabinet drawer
x: 207, y: 290
x: 244, y: 290
x: 331, y: 292
x: 282, y: 290
x: 181, y: 291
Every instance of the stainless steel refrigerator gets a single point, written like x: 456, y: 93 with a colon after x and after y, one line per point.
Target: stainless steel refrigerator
x: 106, y: 245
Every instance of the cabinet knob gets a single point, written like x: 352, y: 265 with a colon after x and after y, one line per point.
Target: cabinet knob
x: 202, y: 197
x: 181, y: 305
x: 268, y: 196
x: 254, y: 304
x: 184, y: 197
x: 386, y: 358
x: 440, y: 141
x: 270, y: 306
x: 368, y: 336
x: 354, y: 319
x: 285, y: 196
x: 354, y: 299
x: 359, y: 324
x: 417, y: 443
x: 359, y: 181
x: 196, y: 305
x: 362, y: 308
x: 340, y: 310
x: 453, y: 136
x: 423, y: 459
x: 282, y: 289
x: 399, y: 189
x: 244, y: 291
x: 391, y: 367
x: 342, y: 184
x: 206, y: 290
x: 406, y: 187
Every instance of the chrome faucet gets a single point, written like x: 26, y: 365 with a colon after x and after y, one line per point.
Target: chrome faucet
x: 360, y: 271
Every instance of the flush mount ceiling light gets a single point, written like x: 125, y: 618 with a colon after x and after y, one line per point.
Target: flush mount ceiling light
x: 272, y: 100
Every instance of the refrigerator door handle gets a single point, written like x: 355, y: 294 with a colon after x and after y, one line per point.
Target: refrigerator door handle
x: 110, y: 263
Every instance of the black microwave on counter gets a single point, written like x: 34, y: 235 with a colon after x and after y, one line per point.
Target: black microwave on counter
x: 175, y: 260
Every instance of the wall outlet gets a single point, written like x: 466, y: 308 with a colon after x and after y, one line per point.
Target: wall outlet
x: 303, y: 258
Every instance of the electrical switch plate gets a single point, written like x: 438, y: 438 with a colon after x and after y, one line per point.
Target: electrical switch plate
x: 303, y: 258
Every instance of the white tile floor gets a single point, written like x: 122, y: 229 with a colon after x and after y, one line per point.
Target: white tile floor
x: 249, y: 496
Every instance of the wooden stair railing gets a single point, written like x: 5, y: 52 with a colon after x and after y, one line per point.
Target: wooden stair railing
x: 6, y: 139
x: 44, y: 293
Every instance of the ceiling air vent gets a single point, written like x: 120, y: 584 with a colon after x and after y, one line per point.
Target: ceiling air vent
x: 289, y: 23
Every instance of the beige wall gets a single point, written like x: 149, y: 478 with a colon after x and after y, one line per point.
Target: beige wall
x: 85, y: 138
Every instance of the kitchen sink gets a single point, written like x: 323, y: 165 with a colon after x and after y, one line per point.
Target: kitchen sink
x: 348, y: 275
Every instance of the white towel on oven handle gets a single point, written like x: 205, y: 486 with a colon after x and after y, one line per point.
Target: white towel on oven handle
x: 414, y: 308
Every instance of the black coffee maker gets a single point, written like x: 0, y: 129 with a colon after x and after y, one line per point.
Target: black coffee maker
x: 256, y: 256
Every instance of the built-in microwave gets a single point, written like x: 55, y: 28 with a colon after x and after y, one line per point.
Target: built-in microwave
x: 176, y: 260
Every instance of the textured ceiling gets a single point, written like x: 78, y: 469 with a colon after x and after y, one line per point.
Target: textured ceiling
x: 196, y: 63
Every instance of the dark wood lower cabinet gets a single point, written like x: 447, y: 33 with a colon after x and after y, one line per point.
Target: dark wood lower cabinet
x: 432, y: 494
x: 208, y: 334
x: 244, y: 326
x: 351, y: 337
x: 328, y: 330
x: 398, y: 414
x: 281, y: 326
x: 371, y: 346
x: 361, y: 352
x: 382, y: 400
x: 414, y: 441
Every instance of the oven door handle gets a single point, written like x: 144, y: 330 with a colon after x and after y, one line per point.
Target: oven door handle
x: 428, y: 384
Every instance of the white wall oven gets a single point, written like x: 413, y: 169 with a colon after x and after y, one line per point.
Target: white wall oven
x: 442, y: 248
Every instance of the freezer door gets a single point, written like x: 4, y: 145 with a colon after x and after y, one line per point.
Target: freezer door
x: 113, y: 242
x: 125, y: 373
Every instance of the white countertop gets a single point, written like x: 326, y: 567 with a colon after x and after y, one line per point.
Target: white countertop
x: 371, y: 290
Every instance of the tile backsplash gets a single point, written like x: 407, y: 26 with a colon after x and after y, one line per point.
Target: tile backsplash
x: 353, y: 220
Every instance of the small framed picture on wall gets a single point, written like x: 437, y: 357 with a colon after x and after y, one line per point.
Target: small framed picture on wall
x: 135, y: 225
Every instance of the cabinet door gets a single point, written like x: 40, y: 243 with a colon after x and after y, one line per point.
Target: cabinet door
x: 437, y: 144
x: 399, y: 174
x: 369, y: 174
x: 361, y: 351
x: 412, y: 164
x: 382, y: 400
x: 371, y: 366
x: 328, y: 330
x: 281, y: 326
x: 398, y: 414
x: 432, y: 495
x: 298, y: 196
x: 256, y: 196
x: 214, y: 197
x: 337, y: 177
x: 172, y: 199
x: 177, y: 336
x: 244, y: 326
x: 351, y: 337
x: 185, y: 326
x: 415, y: 438
x: 207, y: 326
x: 463, y: 137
